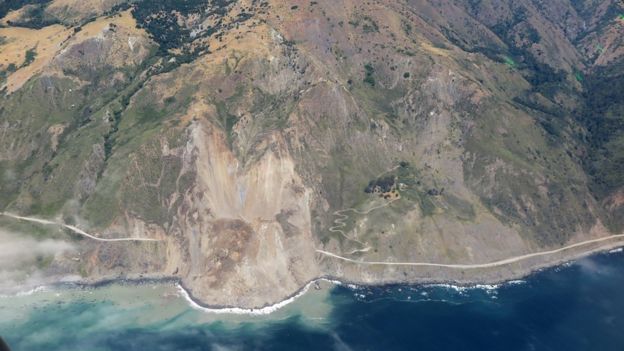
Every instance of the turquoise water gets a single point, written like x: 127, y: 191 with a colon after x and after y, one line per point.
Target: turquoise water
x: 579, y: 306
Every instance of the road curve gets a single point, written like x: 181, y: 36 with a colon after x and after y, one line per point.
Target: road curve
x: 72, y: 228
x: 477, y: 265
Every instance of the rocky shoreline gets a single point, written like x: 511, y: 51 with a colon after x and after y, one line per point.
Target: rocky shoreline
x: 268, y: 308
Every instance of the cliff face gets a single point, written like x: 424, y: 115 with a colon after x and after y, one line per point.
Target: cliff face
x: 247, y: 135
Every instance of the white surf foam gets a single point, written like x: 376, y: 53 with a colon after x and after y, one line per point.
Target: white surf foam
x: 448, y: 286
x: 487, y: 286
x: 515, y: 282
x: 250, y: 311
x: 25, y: 293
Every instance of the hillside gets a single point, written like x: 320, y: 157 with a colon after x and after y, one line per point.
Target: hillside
x: 247, y: 135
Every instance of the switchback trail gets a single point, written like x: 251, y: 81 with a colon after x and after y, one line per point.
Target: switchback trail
x: 477, y: 265
x: 341, y: 217
x: 72, y: 228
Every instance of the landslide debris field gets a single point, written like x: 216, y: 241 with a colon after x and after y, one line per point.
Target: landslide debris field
x: 244, y: 138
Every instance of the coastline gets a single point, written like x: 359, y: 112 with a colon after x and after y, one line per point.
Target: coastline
x: 267, y: 309
x: 455, y: 284
x: 503, y: 277
x: 264, y: 310
x: 156, y: 317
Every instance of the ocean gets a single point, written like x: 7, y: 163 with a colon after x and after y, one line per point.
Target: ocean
x: 576, y: 306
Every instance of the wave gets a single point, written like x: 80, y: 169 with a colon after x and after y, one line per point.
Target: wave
x: 487, y: 287
x: 448, y: 286
x: 272, y: 308
x: 26, y: 293
x: 515, y: 282
x: 251, y: 311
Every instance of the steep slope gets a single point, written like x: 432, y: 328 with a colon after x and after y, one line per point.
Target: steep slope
x: 247, y: 136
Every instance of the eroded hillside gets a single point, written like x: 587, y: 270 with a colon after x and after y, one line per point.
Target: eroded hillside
x: 247, y: 136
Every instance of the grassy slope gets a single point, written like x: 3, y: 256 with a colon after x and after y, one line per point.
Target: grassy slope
x: 523, y: 125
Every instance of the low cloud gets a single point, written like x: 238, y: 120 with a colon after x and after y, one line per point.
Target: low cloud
x: 18, y: 259
x: 16, y: 251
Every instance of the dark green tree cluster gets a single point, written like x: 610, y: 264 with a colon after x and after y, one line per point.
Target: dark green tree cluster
x: 384, y: 184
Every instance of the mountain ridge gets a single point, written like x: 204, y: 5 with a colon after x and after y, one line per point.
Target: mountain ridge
x: 233, y: 131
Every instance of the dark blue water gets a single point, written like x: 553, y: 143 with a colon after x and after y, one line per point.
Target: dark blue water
x: 574, y: 307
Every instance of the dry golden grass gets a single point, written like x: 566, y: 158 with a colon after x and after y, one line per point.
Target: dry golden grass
x: 198, y: 109
x: 123, y: 20
x: 46, y: 42
x: 434, y: 50
x: 13, y: 16
x: 77, y: 10
x: 256, y: 43
x: 81, y: 5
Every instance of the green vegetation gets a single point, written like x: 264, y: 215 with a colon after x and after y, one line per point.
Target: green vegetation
x: 227, y: 120
x: 369, y: 25
x: 34, y: 16
x: 603, y: 117
x: 89, y: 115
x: 548, y: 215
x: 369, y: 70
x: 510, y: 62
x: 10, y: 5
x: 29, y: 57
x: 406, y: 26
x: 34, y: 230
x: 543, y: 77
x: 160, y: 20
x: 381, y: 185
x: 145, y: 193
x: 517, y: 146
